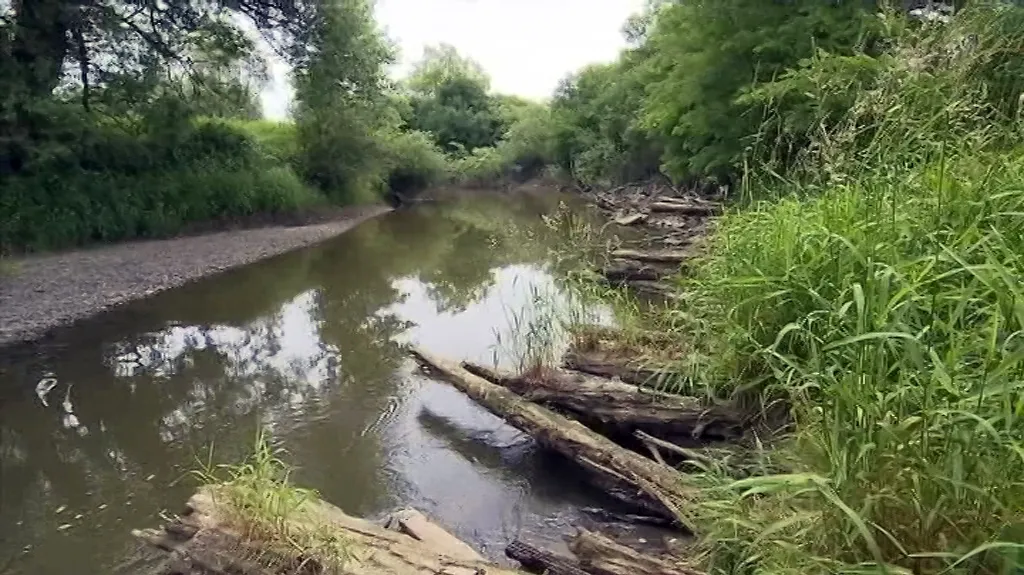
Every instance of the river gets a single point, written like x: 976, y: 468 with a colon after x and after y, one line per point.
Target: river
x: 101, y: 425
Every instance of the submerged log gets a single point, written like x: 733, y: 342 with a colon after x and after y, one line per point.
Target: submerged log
x: 207, y: 540
x: 600, y: 555
x: 628, y: 476
x: 653, y: 256
x: 614, y: 407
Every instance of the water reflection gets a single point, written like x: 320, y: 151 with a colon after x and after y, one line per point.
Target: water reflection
x: 99, y: 427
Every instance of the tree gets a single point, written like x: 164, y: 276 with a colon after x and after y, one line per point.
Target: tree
x: 342, y: 101
x: 94, y: 39
x: 442, y: 64
x: 449, y: 99
x: 597, y: 134
x: 705, y: 55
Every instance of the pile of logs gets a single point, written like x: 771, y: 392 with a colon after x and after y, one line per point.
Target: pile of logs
x: 672, y: 222
x: 626, y: 436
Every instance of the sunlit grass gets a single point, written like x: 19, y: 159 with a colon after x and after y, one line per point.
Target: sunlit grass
x: 268, y: 510
x: 881, y: 301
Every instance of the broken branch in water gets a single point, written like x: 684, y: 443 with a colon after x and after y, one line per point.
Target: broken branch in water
x: 639, y: 480
x: 610, y: 405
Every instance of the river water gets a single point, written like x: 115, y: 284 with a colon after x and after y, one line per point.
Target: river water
x: 100, y: 426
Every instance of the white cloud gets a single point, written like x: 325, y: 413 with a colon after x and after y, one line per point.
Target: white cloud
x: 526, y: 46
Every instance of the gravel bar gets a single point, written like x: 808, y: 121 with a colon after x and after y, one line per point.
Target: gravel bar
x: 43, y: 292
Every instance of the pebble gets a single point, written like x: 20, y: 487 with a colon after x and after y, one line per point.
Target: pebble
x: 47, y: 291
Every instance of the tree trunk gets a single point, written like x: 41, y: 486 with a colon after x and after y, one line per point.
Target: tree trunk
x: 596, y: 364
x: 41, y: 43
x: 625, y: 474
x: 599, y: 555
x: 617, y: 408
x: 538, y: 560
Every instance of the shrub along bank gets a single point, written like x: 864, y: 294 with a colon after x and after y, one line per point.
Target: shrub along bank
x: 871, y: 285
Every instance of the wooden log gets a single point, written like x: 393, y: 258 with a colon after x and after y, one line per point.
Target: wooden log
x: 220, y: 545
x: 684, y: 209
x: 596, y: 364
x: 634, y: 478
x: 537, y: 560
x: 630, y: 219
x: 416, y: 525
x: 628, y: 270
x: 600, y: 555
x: 653, y: 256
x: 618, y: 408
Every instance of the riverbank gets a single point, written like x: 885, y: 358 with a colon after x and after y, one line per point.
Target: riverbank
x: 40, y: 293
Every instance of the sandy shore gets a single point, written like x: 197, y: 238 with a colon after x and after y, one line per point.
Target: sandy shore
x: 42, y: 292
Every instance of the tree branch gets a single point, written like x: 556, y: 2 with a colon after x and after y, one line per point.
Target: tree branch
x: 83, y: 63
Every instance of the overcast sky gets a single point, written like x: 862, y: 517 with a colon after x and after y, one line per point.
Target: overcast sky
x: 526, y: 46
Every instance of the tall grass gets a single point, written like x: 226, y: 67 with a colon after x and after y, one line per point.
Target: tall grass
x: 882, y: 301
x: 272, y: 513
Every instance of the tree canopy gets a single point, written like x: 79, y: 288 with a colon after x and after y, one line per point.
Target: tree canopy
x: 449, y: 99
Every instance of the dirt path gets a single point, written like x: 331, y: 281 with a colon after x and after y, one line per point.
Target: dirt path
x: 43, y: 292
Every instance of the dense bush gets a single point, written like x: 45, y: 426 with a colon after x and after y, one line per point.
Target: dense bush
x: 143, y: 137
x: 89, y: 179
x: 878, y: 299
x: 449, y: 100
x: 414, y: 162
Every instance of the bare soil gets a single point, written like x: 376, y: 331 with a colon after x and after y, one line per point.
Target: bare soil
x: 40, y: 293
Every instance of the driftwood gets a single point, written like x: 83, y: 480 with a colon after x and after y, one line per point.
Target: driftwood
x: 206, y: 541
x: 538, y: 560
x: 653, y: 256
x: 630, y: 270
x: 630, y: 219
x: 416, y: 525
x: 614, y: 407
x: 681, y: 208
x: 595, y: 364
x: 600, y: 555
x: 626, y: 475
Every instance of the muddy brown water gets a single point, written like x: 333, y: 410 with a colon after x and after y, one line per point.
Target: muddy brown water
x: 101, y: 423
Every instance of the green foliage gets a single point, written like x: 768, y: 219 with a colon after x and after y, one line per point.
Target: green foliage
x: 93, y: 180
x: 267, y: 508
x: 479, y: 167
x: 414, y: 162
x: 449, y: 100
x: 706, y: 55
x: 276, y: 139
x: 158, y: 125
x: 595, y: 115
x: 443, y: 64
x: 692, y: 94
x: 341, y: 102
x: 879, y: 301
